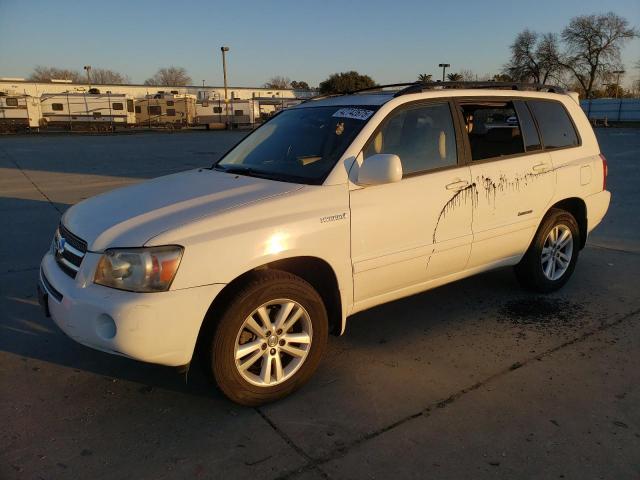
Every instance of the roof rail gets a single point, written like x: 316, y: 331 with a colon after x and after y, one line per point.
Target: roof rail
x: 418, y: 87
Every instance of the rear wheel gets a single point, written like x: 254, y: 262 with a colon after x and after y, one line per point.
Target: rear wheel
x: 552, y: 256
x: 269, y: 340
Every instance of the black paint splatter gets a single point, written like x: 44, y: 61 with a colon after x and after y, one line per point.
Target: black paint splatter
x: 490, y: 190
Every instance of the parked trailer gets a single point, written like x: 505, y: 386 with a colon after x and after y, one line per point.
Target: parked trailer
x: 93, y: 111
x: 217, y: 114
x: 163, y: 110
x: 19, y: 112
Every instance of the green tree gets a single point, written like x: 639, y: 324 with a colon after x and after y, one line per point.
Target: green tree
x: 346, y: 82
x: 425, y: 78
x: 300, y: 85
x: 454, y: 77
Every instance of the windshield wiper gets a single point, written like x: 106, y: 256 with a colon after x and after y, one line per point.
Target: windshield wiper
x: 252, y: 172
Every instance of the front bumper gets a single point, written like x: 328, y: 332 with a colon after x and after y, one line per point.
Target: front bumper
x: 157, y: 327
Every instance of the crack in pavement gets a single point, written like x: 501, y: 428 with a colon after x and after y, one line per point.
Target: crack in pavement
x: 314, y: 463
x: 44, y: 195
x: 311, y: 463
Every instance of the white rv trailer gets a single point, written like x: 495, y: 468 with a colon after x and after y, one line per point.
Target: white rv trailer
x: 19, y: 112
x: 95, y: 111
x: 166, y: 110
x: 215, y: 113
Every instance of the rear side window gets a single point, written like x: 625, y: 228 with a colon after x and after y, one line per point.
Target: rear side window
x: 155, y: 110
x: 555, y: 125
x: 12, y: 102
x: 171, y: 112
x: 528, y: 127
x: 493, y: 128
x: 118, y: 106
x: 423, y: 137
x: 57, y: 107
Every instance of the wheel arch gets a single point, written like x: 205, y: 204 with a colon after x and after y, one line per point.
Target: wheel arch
x: 314, y: 270
x: 578, y: 208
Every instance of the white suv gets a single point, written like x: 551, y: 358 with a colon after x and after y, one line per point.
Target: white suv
x: 331, y: 207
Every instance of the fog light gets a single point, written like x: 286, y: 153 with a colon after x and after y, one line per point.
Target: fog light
x: 105, y: 327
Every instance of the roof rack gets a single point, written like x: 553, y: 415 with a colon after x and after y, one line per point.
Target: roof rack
x: 418, y: 87
x: 537, y: 87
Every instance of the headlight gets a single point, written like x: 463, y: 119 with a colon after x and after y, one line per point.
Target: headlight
x: 139, y: 269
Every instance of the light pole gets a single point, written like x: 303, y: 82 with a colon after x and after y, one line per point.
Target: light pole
x: 618, y: 73
x: 444, y: 67
x: 88, y: 69
x: 224, y: 73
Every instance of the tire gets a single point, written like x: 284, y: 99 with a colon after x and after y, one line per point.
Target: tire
x: 536, y: 274
x: 273, y: 291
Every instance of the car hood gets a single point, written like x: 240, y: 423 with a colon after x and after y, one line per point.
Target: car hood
x: 130, y: 216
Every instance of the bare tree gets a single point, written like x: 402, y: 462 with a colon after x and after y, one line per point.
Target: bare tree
x: 46, y: 74
x: 278, y: 82
x: 169, y: 77
x: 534, y: 57
x: 593, y: 46
x: 425, y: 78
x: 108, y: 77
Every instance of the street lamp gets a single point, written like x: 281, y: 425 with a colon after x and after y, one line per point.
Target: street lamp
x: 224, y: 73
x: 618, y: 73
x: 444, y: 67
x: 88, y: 69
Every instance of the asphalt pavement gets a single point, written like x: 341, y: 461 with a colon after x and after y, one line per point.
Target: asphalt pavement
x: 476, y: 379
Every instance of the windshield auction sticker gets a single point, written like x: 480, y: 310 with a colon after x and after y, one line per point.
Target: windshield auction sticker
x: 355, y: 113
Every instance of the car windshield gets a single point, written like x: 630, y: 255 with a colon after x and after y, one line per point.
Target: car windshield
x: 300, y: 145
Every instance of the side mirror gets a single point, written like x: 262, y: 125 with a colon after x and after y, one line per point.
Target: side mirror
x: 380, y: 168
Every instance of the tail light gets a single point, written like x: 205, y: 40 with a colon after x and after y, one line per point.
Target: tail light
x: 605, y: 171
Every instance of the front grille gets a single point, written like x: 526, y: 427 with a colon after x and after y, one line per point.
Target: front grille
x: 69, y: 250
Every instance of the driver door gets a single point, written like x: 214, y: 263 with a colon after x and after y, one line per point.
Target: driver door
x: 406, y: 233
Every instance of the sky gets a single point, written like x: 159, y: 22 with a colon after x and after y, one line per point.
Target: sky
x: 392, y: 41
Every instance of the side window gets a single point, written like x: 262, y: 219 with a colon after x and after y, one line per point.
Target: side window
x: 130, y: 106
x: 528, y: 127
x: 171, y: 112
x: 155, y: 110
x: 238, y: 113
x: 217, y: 109
x: 57, y: 107
x: 118, y: 106
x: 12, y: 102
x: 138, y: 109
x: 169, y: 103
x: 423, y: 137
x: 555, y: 126
x: 493, y: 128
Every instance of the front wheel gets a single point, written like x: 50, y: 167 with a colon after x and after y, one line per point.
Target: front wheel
x: 270, y: 338
x: 552, y: 256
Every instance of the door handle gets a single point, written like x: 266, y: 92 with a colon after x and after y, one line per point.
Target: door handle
x: 541, y: 167
x: 457, y: 184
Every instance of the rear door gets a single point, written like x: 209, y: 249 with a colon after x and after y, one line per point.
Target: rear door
x: 513, y: 177
x: 405, y: 233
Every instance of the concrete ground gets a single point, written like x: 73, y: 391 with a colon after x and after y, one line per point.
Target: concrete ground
x: 477, y: 379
